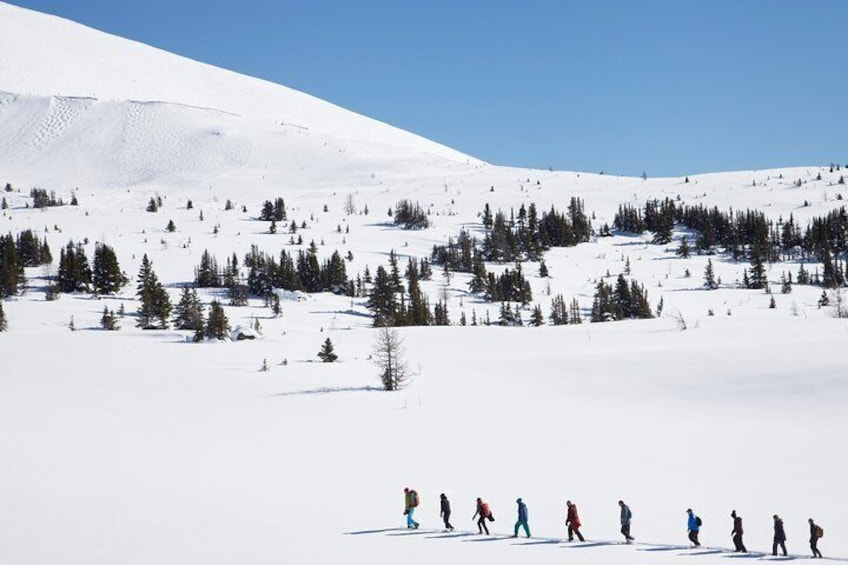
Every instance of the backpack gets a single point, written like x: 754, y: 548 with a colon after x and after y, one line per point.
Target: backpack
x: 819, y: 532
x: 414, y: 499
x: 698, y: 521
x: 629, y: 514
x: 484, y: 510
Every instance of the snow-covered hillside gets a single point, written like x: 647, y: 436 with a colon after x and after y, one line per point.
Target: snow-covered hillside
x: 140, y: 446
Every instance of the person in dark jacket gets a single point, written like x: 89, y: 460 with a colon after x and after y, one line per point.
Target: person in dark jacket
x: 484, y: 513
x: 626, y: 517
x: 522, y: 519
x: 779, y: 536
x: 694, y: 527
x: 445, y: 511
x: 737, y: 532
x: 572, y: 520
x: 815, y: 532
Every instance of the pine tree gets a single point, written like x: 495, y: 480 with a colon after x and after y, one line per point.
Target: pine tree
x: 382, y: 300
x: 109, y: 321
x: 574, y: 312
x: 440, y: 314
x: 537, y: 318
x: 74, y: 273
x: 326, y: 354
x: 757, y: 279
x: 786, y: 283
x: 4, y: 325
x: 106, y: 275
x: 559, y: 312
x: 709, y: 276
x: 217, y: 324
x: 12, y: 279
x: 543, y: 269
x: 188, y: 313
x: 684, y: 248
x: 155, y: 308
x: 207, y: 274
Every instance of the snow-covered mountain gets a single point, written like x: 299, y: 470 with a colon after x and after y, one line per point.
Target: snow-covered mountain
x: 142, y: 447
x: 76, y: 99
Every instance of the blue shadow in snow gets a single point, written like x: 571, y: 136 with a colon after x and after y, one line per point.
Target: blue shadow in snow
x: 365, y: 532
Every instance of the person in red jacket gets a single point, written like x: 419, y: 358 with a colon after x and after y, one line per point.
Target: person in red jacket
x: 484, y: 513
x: 572, y: 520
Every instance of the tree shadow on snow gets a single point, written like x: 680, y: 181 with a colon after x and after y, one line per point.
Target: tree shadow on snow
x: 329, y: 390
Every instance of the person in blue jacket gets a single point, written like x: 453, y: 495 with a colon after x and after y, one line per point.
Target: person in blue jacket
x: 522, y: 519
x: 694, y: 527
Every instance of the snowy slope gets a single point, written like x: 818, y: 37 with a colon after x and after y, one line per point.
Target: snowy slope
x: 67, y: 83
x: 140, y: 447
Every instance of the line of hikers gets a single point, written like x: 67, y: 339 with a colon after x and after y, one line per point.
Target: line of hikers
x: 484, y: 514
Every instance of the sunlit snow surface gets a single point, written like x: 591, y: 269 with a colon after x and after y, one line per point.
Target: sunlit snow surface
x: 140, y: 447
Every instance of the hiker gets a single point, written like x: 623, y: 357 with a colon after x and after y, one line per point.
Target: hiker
x: 522, y: 519
x: 446, y: 512
x: 626, y: 516
x: 694, y: 527
x: 815, y: 533
x: 484, y: 513
x: 779, y: 536
x: 737, y: 533
x: 572, y: 520
x: 410, y: 498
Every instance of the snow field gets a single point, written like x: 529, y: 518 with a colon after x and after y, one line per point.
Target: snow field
x: 139, y: 447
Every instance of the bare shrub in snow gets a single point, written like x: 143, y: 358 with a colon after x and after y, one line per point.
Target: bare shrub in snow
x: 387, y: 354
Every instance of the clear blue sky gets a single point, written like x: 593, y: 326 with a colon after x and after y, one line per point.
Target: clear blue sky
x: 669, y: 87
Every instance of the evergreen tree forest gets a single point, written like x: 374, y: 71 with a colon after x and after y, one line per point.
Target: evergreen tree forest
x: 301, y: 271
x: 749, y: 235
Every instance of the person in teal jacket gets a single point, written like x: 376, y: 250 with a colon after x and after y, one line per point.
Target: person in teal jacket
x: 522, y: 519
x: 694, y: 527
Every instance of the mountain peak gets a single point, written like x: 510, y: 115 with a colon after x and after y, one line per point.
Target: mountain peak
x: 43, y: 55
